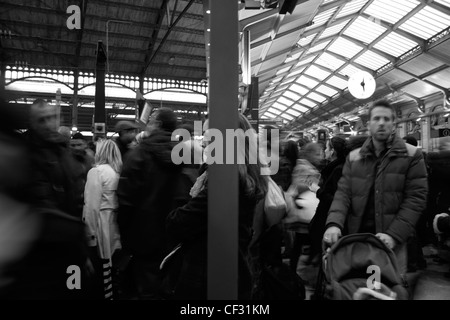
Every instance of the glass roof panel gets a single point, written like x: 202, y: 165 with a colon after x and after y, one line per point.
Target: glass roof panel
x: 316, y: 97
x: 328, y: 61
x: 293, y: 57
x: 443, y: 2
x: 322, y: 18
x: 371, y: 60
x: 274, y: 111
x: 348, y: 70
x: 426, y: 23
x: 298, y: 89
x: 345, y: 48
x: 317, y: 72
x: 364, y: 30
x: 291, y: 95
x: 303, y: 42
x: 275, y: 80
x: 318, y: 47
x: 287, y: 116
x: 288, y: 80
x: 296, y: 71
x: 305, y: 61
x: 337, y: 82
x: 308, y: 102
x: 283, y: 70
x: 333, y: 30
x: 270, y: 115
x: 397, y: 9
x: 307, y: 82
x: 279, y: 106
x: 299, y: 108
x: 326, y: 90
x: 293, y: 112
x: 351, y: 7
x: 395, y: 44
x: 281, y: 89
x: 285, y: 101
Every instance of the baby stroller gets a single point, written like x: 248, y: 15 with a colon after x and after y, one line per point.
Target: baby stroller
x: 360, y: 267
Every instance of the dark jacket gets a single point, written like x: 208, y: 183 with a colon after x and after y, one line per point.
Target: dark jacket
x: 150, y: 186
x: 330, y: 176
x: 283, y: 177
x: 54, y: 175
x: 188, y: 225
x: 439, y: 179
x: 43, y: 272
x: 400, y: 187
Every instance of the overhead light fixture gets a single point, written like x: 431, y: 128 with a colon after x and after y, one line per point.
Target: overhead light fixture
x: 208, y: 11
x: 171, y: 60
x: 74, y: 129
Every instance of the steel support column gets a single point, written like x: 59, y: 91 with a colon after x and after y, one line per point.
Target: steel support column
x: 223, y: 178
x: 99, y: 111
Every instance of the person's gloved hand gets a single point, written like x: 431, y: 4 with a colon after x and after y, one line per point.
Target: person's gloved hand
x: 387, y: 239
x: 435, y: 222
x: 331, y: 235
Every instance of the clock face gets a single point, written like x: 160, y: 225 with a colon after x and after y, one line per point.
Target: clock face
x: 361, y: 85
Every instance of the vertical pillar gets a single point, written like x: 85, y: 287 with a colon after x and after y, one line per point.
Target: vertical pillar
x: 75, y: 100
x: 58, y: 108
x: 425, y: 134
x: 254, y: 103
x: 246, y: 61
x: 401, y: 129
x: 223, y: 207
x: 2, y: 79
x: 140, y: 97
x: 99, y: 111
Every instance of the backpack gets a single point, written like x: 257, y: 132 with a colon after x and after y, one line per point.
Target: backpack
x: 360, y: 266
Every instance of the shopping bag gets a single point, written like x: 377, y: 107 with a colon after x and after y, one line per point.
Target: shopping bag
x: 274, y: 203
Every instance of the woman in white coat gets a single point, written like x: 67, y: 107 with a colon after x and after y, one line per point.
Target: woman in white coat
x: 100, y: 207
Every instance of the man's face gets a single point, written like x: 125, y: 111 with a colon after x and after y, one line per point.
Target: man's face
x: 381, y: 123
x: 78, y: 144
x: 43, y: 119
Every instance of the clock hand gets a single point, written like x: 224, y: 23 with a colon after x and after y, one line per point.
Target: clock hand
x: 363, y: 84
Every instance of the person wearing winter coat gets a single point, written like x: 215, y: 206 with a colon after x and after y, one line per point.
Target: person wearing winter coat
x: 100, y: 208
x: 188, y: 225
x: 383, y: 189
x: 151, y: 185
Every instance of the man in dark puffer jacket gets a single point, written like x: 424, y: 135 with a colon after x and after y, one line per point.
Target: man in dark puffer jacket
x: 150, y: 186
x: 383, y: 189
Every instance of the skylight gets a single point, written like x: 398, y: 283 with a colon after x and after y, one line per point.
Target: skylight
x: 426, y: 23
x: 395, y: 44
x: 345, y: 48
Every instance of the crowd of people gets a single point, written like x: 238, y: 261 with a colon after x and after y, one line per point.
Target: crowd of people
x: 115, y: 209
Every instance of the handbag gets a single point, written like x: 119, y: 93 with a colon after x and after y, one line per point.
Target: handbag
x: 301, y: 208
x: 274, y: 203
